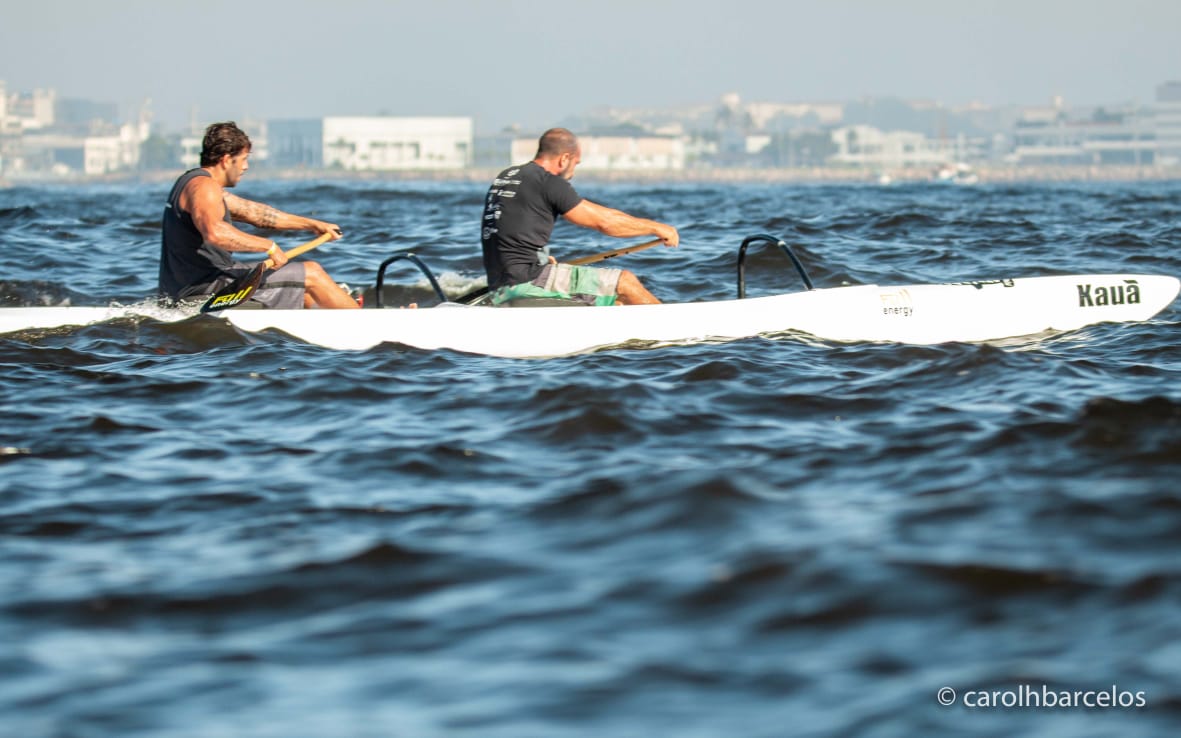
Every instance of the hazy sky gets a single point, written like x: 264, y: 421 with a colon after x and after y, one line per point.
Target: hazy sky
x: 535, y: 61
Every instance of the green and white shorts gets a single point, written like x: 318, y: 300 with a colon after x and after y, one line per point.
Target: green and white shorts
x: 588, y: 285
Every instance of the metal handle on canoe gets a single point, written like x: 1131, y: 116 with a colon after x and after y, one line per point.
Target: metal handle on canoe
x: 768, y: 239
x: 421, y: 267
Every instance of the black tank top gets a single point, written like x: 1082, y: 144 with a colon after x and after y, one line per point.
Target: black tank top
x: 187, y: 264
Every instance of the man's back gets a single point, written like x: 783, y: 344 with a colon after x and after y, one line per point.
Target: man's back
x: 519, y: 214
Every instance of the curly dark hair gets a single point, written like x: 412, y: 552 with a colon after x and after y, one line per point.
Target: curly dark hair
x: 221, y: 139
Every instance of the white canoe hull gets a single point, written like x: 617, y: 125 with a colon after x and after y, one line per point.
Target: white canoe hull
x: 914, y: 314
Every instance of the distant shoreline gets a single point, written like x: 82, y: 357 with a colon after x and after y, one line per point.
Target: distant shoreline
x: 737, y: 175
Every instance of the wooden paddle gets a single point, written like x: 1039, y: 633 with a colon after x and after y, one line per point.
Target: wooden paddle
x: 240, y: 290
x: 577, y: 262
x: 617, y: 252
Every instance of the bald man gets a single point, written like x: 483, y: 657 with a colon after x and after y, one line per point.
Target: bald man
x: 520, y: 210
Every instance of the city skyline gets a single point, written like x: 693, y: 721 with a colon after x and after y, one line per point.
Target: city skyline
x: 532, y: 63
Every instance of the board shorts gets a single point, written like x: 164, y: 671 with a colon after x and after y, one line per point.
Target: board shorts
x: 280, y: 289
x: 588, y: 285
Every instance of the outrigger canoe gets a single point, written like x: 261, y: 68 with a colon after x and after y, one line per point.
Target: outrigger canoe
x: 975, y: 311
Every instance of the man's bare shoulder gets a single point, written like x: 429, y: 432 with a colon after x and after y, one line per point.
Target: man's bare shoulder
x: 198, y: 191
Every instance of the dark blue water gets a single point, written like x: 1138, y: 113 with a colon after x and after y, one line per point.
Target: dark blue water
x: 210, y: 533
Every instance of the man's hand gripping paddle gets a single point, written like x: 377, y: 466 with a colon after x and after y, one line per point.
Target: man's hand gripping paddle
x: 240, y: 290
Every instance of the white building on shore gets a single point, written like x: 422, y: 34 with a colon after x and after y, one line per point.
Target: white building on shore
x: 1056, y: 135
x: 40, y: 136
x: 63, y: 154
x: 378, y: 143
x: 616, y: 153
x: 1168, y: 124
x: 866, y: 146
x: 26, y: 111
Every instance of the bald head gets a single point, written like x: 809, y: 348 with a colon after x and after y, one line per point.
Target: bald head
x: 555, y: 142
x: 558, y: 152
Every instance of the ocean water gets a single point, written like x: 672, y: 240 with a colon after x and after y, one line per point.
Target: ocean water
x: 205, y: 532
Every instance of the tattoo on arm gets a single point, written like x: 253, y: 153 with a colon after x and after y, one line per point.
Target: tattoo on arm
x: 238, y: 243
x: 254, y: 213
x: 230, y: 238
x: 268, y: 217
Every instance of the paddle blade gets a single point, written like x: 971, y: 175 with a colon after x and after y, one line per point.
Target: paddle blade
x: 235, y: 293
x: 472, y: 296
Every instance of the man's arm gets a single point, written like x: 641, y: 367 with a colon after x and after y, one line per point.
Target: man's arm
x: 619, y: 224
x: 202, y: 199
x: 265, y: 216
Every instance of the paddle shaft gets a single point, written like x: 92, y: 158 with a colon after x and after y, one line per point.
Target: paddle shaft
x: 303, y: 248
x: 617, y: 252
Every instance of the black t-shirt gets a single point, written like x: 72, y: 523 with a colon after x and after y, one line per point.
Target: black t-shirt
x: 519, y: 214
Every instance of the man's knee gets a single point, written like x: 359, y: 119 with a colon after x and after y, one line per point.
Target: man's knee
x: 632, y: 292
x: 321, y: 291
x: 314, y: 274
